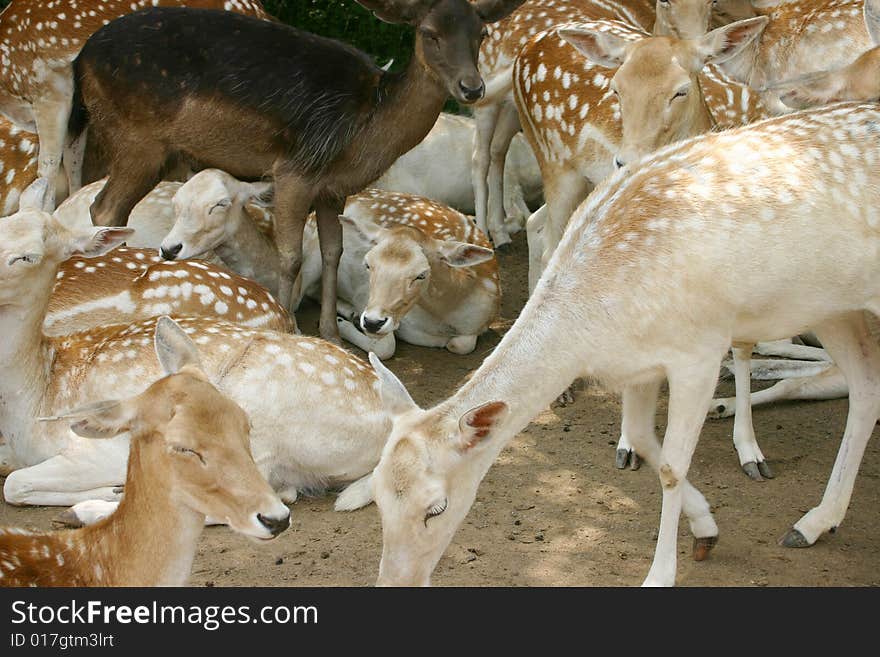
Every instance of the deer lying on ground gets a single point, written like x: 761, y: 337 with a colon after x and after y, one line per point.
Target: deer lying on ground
x: 496, y: 114
x: 432, y: 277
x: 40, y: 41
x: 322, y: 119
x: 645, y: 287
x: 317, y: 418
x: 439, y: 168
x: 190, y: 458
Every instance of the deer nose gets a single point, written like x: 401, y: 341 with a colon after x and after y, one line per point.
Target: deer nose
x: 471, y: 94
x: 371, y: 325
x: 274, y: 525
x: 619, y: 163
x: 171, y: 252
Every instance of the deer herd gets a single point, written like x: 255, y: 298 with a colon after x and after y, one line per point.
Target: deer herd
x: 694, y: 177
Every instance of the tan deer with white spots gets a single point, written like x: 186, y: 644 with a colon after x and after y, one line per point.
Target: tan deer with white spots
x: 433, y: 279
x: 39, y: 41
x: 496, y: 114
x: 18, y: 164
x: 859, y: 80
x: 646, y: 288
x: 317, y: 418
x: 190, y: 459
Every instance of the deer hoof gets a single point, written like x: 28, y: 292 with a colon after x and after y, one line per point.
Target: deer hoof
x: 703, y: 546
x: 566, y: 397
x: 764, y: 469
x: 751, y: 469
x: 622, y: 458
x: 67, y: 518
x: 794, y: 539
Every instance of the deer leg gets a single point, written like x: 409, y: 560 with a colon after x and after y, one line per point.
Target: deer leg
x: 690, y: 392
x: 485, y: 118
x: 505, y: 131
x: 785, y: 349
x: 563, y: 191
x: 74, y: 156
x: 640, y: 406
x: 857, y: 354
x: 750, y: 457
x: 83, y: 472
x: 136, y: 170
x: 330, y: 239
x: 535, y: 225
x: 293, y: 196
x: 51, y: 114
x: 829, y: 384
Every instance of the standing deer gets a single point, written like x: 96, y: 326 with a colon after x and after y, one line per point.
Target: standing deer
x: 645, y: 287
x: 496, y: 114
x: 316, y: 413
x: 190, y: 458
x: 320, y: 118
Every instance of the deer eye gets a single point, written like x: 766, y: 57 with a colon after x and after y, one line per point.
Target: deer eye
x: 421, y: 276
x: 186, y: 451
x: 435, y: 510
x: 681, y: 93
x: 28, y: 259
x: 225, y: 203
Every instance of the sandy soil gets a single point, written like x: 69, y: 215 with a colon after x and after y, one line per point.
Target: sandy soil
x: 554, y: 511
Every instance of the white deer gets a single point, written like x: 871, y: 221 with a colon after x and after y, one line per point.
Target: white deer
x: 644, y: 288
x: 317, y: 417
x: 190, y: 458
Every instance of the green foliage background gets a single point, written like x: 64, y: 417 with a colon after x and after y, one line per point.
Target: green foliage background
x: 344, y: 20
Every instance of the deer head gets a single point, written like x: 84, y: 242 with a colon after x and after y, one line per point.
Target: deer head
x: 400, y: 260
x: 448, y: 36
x: 426, y: 479
x: 188, y: 430
x: 656, y: 83
x: 207, y: 209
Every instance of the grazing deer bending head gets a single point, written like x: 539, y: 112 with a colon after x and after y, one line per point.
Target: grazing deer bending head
x: 190, y: 458
x: 657, y: 84
x: 403, y: 263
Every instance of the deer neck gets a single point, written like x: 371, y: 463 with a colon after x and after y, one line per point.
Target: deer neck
x: 251, y: 253
x: 528, y: 369
x: 151, y: 539
x: 407, y: 107
x: 26, y: 360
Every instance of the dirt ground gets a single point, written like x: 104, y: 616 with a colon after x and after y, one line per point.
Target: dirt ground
x: 553, y: 510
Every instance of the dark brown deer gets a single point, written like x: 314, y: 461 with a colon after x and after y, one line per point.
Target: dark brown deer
x: 256, y: 98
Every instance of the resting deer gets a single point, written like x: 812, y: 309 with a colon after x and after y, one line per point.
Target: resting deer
x: 321, y: 118
x: 496, y: 114
x: 317, y: 418
x: 40, y: 41
x: 645, y: 287
x: 432, y: 277
x: 190, y: 458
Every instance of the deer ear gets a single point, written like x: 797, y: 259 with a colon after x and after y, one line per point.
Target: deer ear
x: 174, y: 348
x: 34, y: 195
x: 395, y: 397
x: 492, y: 11
x: 481, y: 423
x: 366, y: 229
x: 601, y: 48
x: 103, y: 419
x: 397, y: 11
x: 99, y: 242
x: 811, y: 90
x: 726, y: 42
x: 463, y: 254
